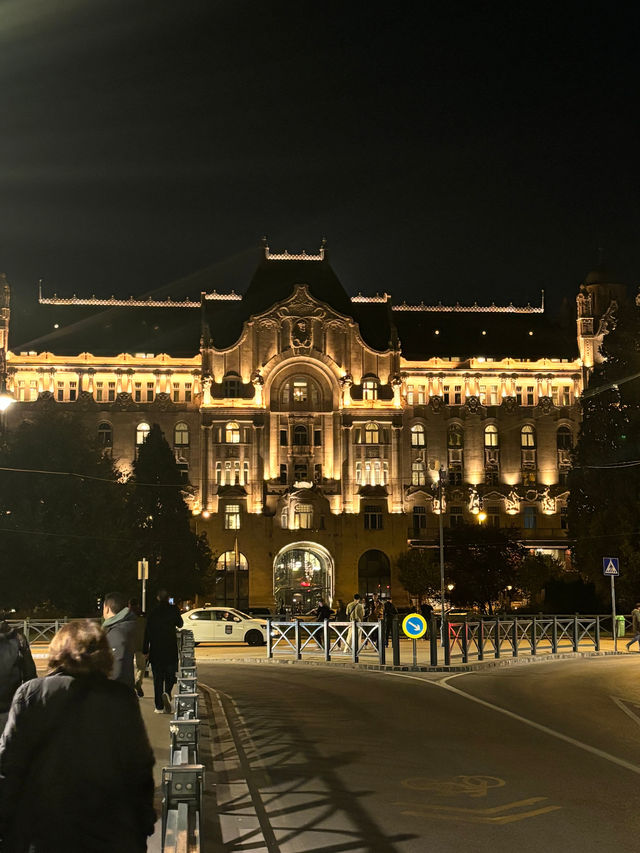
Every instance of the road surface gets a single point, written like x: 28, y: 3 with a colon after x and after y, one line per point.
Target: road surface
x: 528, y: 758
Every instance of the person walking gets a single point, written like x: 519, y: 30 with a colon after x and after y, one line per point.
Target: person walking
x: 323, y: 612
x: 635, y: 626
x: 161, y: 648
x: 389, y: 613
x: 119, y: 627
x: 16, y: 666
x: 426, y: 610
x: 75, y: 760
x: 139, y: 660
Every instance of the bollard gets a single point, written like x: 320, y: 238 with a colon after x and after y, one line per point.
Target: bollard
x: 182, y: 789
x: 186, y: 685
x: 433, y: 640
x: 185, y: 734
x: 186, y: 706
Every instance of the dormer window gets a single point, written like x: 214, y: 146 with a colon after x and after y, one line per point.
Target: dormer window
x: 370, y: 389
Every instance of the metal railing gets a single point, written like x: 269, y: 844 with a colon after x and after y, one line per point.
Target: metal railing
x: 38, y: 630
x: 183, y: 780
x: 326, y: 639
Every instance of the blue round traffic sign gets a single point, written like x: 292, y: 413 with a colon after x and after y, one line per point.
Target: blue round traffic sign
x: 414, y: 626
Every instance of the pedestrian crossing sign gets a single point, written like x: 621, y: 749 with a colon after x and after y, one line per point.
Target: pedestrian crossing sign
x: 611, y: 566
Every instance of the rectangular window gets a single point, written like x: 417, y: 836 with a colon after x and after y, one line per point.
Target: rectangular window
x: 304, y: 517
x: 21, y: 391
x: 421, y: 395
x: 317, y: 473
x: 456, y: 517
x: 566, y: 395
x: 372, y: 517
x: 357, y: 435
x: 137, y: 392
x: 245, y: 473
x: 410, y: 395
x: 99, y: 392
x: 494, y: 396
x: 283, y: 475
x: 232, y: 517
x: 419, y: 517
x: 151, y: 387
x: 457, y: 395
x: 493, y: 516
x: 60, y: 393
x: 530, y: 390
x: 483, y: 394
x: 358, y: 473
x: 555, y: 395
x: 317, y: 437
x: 519, y: 395
x: 112, y: 392
x: 283, y: 438
x: 187, y: 392
x: 73, y: 391
x: 218, y: 473
x: 300, y: 472
x: 33, y: 390
x: 176, y: 392
x: 530, y: 517
x: 445, y: 395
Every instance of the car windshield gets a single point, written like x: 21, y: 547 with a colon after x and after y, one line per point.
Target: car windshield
x: 239, y: 613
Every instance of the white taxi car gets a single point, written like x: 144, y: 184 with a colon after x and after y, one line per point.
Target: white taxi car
x: 224, y: 625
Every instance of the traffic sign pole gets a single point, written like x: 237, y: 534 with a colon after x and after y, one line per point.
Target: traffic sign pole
x: 143, y: 575
x: 613, y: 613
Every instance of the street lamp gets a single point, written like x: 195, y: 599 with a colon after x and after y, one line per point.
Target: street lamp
x: 441, y: 480
x: 482, y: 516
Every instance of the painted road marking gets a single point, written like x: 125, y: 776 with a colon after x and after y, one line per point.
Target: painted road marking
x: 600, y: 753
x: 626, y: 705
x: 495, y: 815
x: 469, y: 786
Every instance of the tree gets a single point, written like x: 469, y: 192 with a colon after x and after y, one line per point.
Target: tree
x: 65, y: 537
x: 603, y: 509
x: 481, y: 563
x: 178, y: 559
x: 535, y: 572
x: 418, y: 572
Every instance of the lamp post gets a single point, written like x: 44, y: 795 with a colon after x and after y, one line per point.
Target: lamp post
x: 6, y: 397
x: 441, y: 480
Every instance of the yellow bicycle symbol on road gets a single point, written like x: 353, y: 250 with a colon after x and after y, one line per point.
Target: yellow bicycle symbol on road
x: 468, y: 786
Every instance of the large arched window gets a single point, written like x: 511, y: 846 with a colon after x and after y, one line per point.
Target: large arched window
x: 105, y: 435
x: 455, y: 436
x: 564, y: 438
x: 142, y: 431
x: 491, y: 436
x: 527, y: 436
x: 181, y: 435
x: 232, y: 580
x: 374, y: 573
x: 232, y: 433
x: 417, y: 436
x: 300, y: 436
x: 371, y: 434
x: 300, y: 392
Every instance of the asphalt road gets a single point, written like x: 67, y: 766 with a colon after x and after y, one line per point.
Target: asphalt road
x: 528, y: 758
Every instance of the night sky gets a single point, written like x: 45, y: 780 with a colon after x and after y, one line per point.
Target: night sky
x: 453, y: 151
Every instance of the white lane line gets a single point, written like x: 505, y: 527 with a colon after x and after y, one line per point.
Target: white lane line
x: 621, y: 762
x: 623, y: 703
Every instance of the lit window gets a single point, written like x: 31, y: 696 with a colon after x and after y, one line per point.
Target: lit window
x: 218, y: 473
x: 417, y: 473
x: 181, y: 435
x: 417, y: 435
x: 527, y: 436
x: 300, y: 392
x: 304, y: 516
x: 371, y: 434
x: 232, y: 386
x: 142, y: 431
x: 421, y: 395
x: 491, y: 436
x: 455, y: 436
x: 232, y: 517
x: 232, y: 433
x: 370, y: 389
x: 410, y: 395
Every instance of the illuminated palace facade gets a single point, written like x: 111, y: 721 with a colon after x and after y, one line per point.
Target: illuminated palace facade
x: 312, y: 426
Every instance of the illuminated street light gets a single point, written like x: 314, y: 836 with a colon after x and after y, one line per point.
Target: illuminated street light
x: 482, y: 516
x: 6, y: 398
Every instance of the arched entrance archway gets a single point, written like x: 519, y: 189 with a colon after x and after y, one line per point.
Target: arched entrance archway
x: 302, y: 575
x: 232, y: 580
x: 374, y: 573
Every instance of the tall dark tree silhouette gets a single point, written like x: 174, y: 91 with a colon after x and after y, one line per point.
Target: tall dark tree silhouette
x: 604, y: 502
x: 65, y: 536
x: 178, y: 559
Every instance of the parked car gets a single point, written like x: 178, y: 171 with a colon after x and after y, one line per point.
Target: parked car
x: 224, y: 625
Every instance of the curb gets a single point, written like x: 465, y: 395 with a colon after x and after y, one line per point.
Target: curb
x: 461, y: 667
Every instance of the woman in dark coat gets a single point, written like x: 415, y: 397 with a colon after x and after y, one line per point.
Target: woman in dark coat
x: 75, y: 760
x: 16, y: 666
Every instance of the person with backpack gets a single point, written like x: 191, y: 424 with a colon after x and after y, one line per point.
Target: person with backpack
x: 16, y: 666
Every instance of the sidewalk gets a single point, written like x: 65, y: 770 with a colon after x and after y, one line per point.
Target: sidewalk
x: 158, y: 730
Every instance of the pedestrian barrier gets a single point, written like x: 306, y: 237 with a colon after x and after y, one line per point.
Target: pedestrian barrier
x: 309, y: 639
x: 38, y: 630
x: 183, y: 780
x: 475, y: 639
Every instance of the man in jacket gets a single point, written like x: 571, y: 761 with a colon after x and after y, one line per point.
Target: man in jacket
x: 120, y: 627
x: 161, y: 647
x: 355, y: 613
x: 16, y: 666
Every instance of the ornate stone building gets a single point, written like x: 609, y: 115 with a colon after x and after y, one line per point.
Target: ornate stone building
x: 312, y: 426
